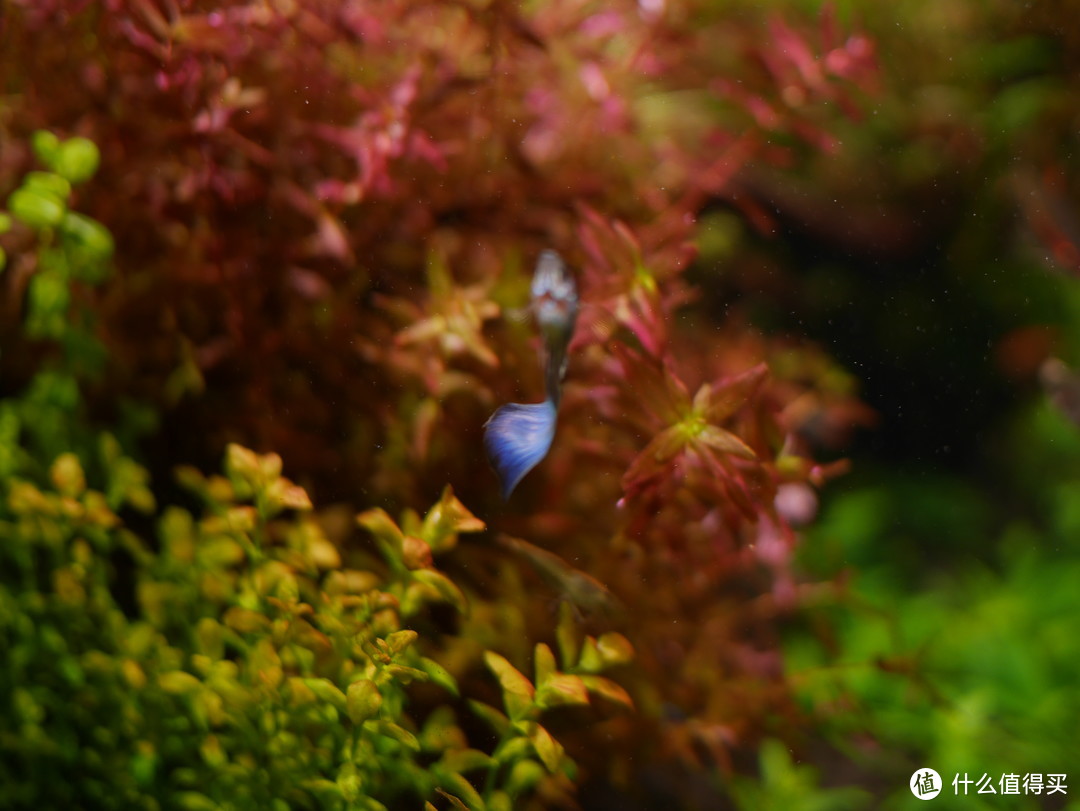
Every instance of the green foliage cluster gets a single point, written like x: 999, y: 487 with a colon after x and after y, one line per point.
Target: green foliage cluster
x: 964, y: 661
x: 246, y: 669
x: 966, y: 669
x: 237, y: 671
x: 68, y: 252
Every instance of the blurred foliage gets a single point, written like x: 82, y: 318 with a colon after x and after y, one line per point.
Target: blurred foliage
x: 324, y: 215
x: 936, y: 256
x: 328, y: 208
x: 931, y: 251
x: 920, y: 660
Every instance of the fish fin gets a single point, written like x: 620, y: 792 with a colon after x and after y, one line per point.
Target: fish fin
x: 516, y: 438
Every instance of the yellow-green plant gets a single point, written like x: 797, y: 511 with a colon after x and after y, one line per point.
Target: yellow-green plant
x: 239, y: 664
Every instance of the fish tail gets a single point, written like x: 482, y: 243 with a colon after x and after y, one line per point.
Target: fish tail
x: 517, y: 438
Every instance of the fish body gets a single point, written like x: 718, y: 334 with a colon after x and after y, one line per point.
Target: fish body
x: 555, y: 305
x: 518, y: 435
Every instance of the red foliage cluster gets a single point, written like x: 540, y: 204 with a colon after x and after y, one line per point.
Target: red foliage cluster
x: 325, y: 210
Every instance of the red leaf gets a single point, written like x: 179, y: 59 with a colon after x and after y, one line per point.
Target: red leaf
x: 729, y: 395
x: 655, y: 387
x: 654, y: 458
x: 725, y: 442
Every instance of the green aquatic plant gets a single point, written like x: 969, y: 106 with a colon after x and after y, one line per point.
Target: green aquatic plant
x: 966, y: 667
x: 241, y: 662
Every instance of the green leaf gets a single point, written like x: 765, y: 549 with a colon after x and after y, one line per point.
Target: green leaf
x: 49, y: 183
x: 381, y: 525
x: 496, y: 720
x: 446, y: 519
x: 454, y: 801
x: 193, y: 801
x: 461, y: 788
x: 566, y: 635
x: 49, y: 297
x: 465, y: 760
x: 544, y: 662
x: 143, y: 766
x: 242, y: 468
x: 327, y: 691
x: 322, y: 788
x: 363, y: 700
x: 443, y: 587
x: 67, y: 475
x: 517, y: 690
x: 397, y: 733
x: 178, y: 682
x: 550, y: 750
x: 439, y: 675
x: 510, y: 678
x: 524, y: 776
x: 282, y: 494
x: 242, y: 620
x: 405, y: 674
x: 210, y: 638
x: 212, y: 753
x: 386, y: 532
x: 88, y: 235
x: 351, y: 581
x: 45, y: 145
x: 400, y: 640
x: 269, y: 466
x: 440, y: 732
x: 590, y: 661
x: 36, y: 207
x: 513, y: 749
x: 600, y: 686
x: 348, y: 780
x: 561, y: 689
x: 76, y: 159
x: 299, y: 694
x: 614, y: 649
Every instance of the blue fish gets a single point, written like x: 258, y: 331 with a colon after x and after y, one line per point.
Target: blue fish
x: 518, y: 436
